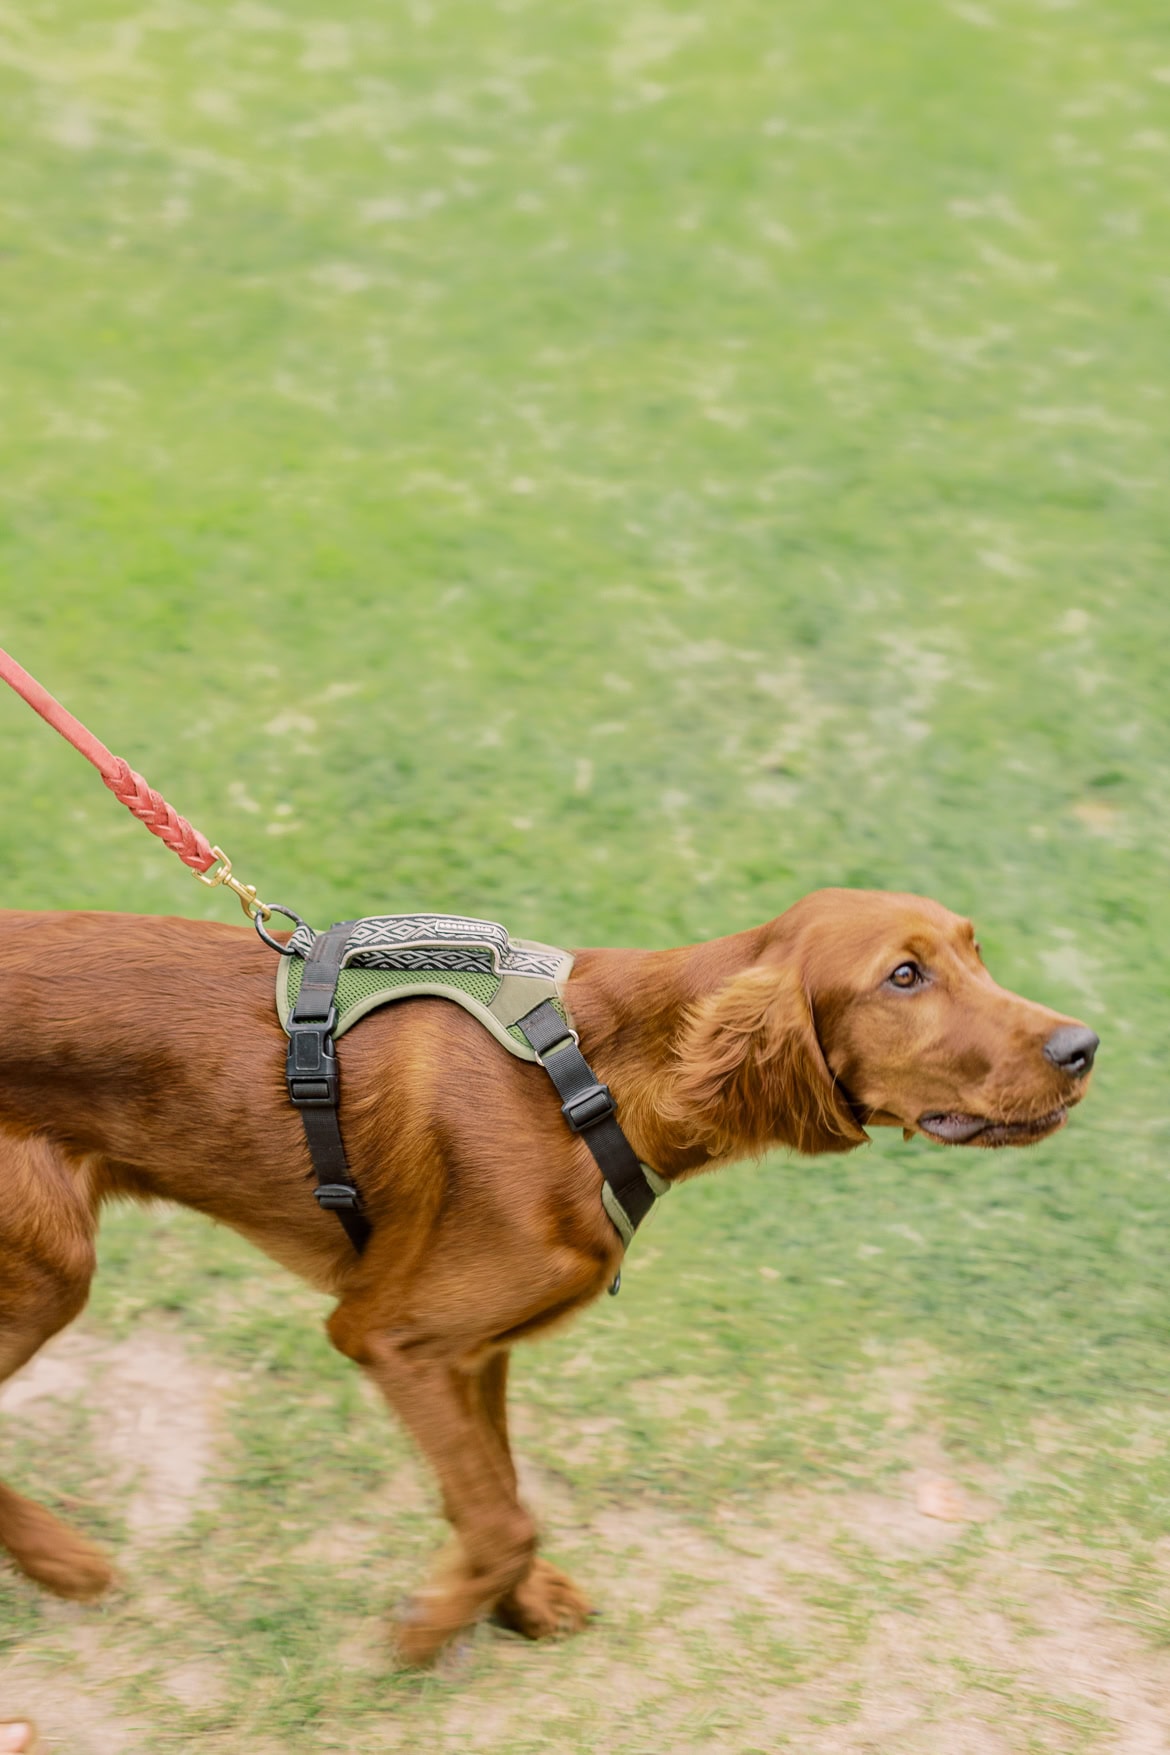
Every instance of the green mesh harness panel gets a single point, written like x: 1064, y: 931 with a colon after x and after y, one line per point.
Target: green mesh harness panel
x: 501, y: 979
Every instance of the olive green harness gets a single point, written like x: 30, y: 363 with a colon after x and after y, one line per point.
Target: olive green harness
x: 327, y: 981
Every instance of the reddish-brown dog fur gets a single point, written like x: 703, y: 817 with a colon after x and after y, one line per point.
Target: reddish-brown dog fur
x: 143, y: 1057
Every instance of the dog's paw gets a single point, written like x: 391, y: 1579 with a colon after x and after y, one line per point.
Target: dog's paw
x: 423, y: 1625
x: 545, y: 1605
x: 82, y: 1574
x: 57, y: 1558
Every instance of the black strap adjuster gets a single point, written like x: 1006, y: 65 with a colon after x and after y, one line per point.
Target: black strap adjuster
x: 587, y: 1108
x: 338, y: 1197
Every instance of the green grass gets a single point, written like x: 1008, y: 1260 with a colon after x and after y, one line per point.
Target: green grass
x: 615, y: 470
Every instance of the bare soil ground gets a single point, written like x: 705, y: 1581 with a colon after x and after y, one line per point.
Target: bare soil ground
x: 839, y: 1621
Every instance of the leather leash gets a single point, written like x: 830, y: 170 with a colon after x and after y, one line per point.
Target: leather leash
x: 149, y: 806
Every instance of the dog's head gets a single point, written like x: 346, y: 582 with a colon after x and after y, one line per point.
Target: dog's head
x: 871, y: 1008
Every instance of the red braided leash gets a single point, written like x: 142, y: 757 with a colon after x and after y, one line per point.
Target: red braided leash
x: 149, y: 806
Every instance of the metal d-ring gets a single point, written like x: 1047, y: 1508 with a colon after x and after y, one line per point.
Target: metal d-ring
x: 274, y: 943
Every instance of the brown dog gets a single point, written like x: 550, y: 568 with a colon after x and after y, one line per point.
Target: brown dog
x: 143, y: 1057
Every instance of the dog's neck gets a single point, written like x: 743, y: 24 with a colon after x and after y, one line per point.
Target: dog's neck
x: 630, y: 1009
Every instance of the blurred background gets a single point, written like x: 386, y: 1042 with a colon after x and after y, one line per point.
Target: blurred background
x: 613, y: 469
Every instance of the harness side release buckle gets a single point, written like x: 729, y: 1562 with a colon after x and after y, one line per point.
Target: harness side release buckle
x: 310, y: 1069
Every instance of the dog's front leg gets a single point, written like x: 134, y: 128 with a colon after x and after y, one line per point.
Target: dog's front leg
x: 442, y: 1406
x: 545, y: 1602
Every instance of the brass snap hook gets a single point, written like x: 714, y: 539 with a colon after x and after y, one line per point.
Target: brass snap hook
x: 253, y: 907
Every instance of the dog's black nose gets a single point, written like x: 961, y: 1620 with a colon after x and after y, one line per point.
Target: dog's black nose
x: 1072, y: 1049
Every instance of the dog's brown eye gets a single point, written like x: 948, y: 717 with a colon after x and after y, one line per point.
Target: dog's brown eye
x: 906, y: 975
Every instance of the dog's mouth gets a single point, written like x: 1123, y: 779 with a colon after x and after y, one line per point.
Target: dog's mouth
x: 982, y: 1130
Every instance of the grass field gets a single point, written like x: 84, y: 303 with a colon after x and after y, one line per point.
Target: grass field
x: 613, y: 469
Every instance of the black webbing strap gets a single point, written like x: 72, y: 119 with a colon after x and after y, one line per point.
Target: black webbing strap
x: 589, y: 1109
x: 314, y: 1080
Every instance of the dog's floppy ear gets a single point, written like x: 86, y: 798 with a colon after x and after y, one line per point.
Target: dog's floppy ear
x: 751, y: 1074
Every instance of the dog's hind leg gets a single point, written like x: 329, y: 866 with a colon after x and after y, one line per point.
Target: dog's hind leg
x: 46, y: 1264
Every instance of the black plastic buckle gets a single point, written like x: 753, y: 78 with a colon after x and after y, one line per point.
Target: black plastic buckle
x: 338, y: 1197
x: 588, y: 1107
x: 310, y: 1068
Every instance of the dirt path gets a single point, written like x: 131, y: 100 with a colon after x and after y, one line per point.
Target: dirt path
x: 838, y: 1622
